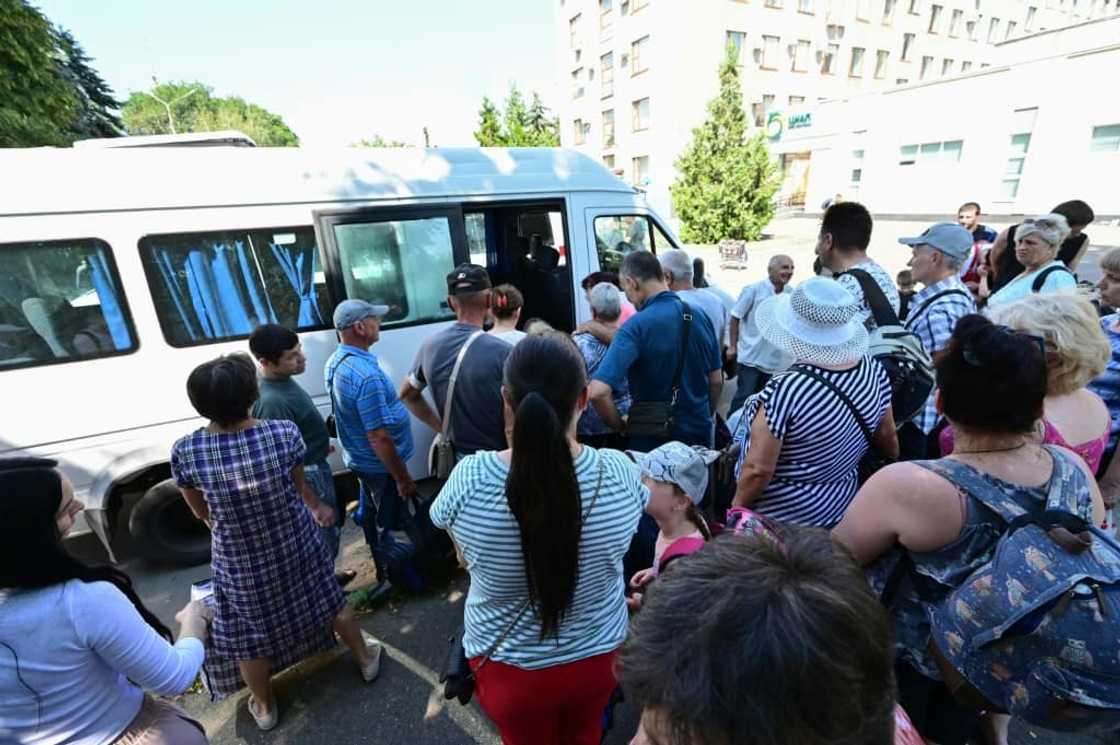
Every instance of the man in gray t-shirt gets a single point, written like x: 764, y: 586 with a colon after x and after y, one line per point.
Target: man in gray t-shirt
x: 477, y: 413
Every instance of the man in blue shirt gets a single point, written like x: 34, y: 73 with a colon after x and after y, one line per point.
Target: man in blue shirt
x: 646, y: 352
x: 373, y: 427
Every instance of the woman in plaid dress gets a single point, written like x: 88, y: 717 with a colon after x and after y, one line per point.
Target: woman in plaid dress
x: 275, y: 596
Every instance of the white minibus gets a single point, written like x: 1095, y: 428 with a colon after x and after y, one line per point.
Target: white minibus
x: 123, y: 268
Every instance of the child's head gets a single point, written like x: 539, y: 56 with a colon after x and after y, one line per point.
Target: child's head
x: 905, y: 280
x: 676, y: 476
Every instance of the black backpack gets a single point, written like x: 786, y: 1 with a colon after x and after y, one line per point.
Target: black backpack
x: 898, y: 350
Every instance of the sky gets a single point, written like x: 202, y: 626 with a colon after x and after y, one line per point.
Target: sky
x: 336, y: 71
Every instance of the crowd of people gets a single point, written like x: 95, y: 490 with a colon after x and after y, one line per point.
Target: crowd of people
x: 856, y: 554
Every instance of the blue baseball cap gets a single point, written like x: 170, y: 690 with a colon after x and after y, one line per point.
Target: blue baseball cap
x: 949, y: 238
x: 350, y: 312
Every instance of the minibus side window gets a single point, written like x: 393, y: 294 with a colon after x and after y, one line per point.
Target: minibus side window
x: 400, y: 263
x: 220, y: 285
x: 61, y: 301
x: 618, y: 235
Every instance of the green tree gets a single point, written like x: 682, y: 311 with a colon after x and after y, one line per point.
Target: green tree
x: 727, y: 179
x: 379, y: 141
x: 516, y: 125
x: 38, y: 105
x: 170, y: 108
x: 545, y: 129
x: 489, y: 133
x: 97, y: 107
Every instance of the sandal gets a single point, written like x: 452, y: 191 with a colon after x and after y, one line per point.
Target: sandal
x: 264, y: 721
x: 373, y: 667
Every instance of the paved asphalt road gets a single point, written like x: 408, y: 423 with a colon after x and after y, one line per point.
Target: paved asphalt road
x: 324, y: 701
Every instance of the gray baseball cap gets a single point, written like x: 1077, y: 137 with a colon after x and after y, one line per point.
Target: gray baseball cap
x: 679, y: 464
x: 350, y: 312
x: 949, y: 238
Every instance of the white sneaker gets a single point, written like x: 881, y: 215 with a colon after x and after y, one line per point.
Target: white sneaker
x: 373, y: 667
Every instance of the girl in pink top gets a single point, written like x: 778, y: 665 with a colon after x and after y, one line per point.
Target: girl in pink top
x: 1076, y: 352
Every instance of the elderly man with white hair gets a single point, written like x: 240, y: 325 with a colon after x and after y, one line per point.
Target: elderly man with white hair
x: 606, y: 310
x: 677, y: 266
x: 1037, y: 241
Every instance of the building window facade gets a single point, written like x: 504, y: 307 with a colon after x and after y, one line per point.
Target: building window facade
x: 639, y: 170
x: 1010, y: 29
x: 907, y: 46
x: 934, y: 19
x: 639, y: 114
x: 796, y: 100
x: 770, y: 52
x: 805, y: 6
x: 737, y: 40
x: 608, y: 128
x: 579, y: 132
x: 801, y: 56
x: 929, y: 152
x: 577, y: 83
x: 915, y: 7
x: 1031, y: 13
x: 606, y: 74
x: 882, y: 56
x: 993, y: 30
x: 946, y: 67
x: 927, y: 63
x: 1105, y: 139
x: 888, y: 11
x: 855, y: 69
x: 573, y: 32
x: 606, y: 18
x: 828, y: 60
x: 638, y: 59
x: 955, y: 23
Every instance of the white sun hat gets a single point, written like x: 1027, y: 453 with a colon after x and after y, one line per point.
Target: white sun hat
x: 816, y: 323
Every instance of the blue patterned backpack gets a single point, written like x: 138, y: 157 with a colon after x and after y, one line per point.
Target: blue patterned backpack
x: 1035, y: 632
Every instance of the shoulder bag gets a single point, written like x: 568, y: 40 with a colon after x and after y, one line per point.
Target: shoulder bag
x: 331, y: 424
x: 457, y: 677
x: 655, y: 418
x: 441, y: 456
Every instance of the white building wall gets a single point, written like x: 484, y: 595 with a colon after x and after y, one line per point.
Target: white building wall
x: 686, y: 43
x: 982, y: 110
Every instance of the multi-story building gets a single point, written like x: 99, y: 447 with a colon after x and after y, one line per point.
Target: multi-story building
x: 637, y: 74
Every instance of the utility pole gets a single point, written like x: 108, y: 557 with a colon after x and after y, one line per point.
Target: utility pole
x: 167, y: 104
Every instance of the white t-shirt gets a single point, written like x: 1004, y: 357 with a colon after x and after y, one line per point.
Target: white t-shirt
x: 83, y: 648
x: 510, y: 337
x: 754, y: 350
x: 712, y: 307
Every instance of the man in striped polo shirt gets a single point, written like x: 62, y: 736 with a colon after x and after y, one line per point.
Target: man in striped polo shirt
x: 373, y: 427
x: 936, y: 262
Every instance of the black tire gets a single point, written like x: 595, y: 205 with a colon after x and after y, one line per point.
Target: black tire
x: 164, y: 528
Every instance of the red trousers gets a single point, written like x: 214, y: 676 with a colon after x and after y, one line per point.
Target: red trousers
x: 560, y: 705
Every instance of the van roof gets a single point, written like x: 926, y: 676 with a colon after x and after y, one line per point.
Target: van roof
x: 46, y: 181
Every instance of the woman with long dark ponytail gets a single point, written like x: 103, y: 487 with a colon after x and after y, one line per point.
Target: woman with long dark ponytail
x: 542, y: 528
x: 77, y: 646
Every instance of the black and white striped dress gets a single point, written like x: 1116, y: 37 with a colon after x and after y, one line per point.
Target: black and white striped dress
x: 822, y: 444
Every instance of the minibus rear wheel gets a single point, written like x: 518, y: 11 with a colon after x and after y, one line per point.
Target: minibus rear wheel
x: 164, y: 528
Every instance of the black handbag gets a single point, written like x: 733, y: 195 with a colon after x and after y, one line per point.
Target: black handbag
x: 330, y: 423
x: 457, y: 677
x: 655, y: 418
x: 872, y: 460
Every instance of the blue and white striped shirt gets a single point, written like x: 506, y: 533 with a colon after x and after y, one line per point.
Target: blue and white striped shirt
x: 473, y: 507
x: 933, y: 322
